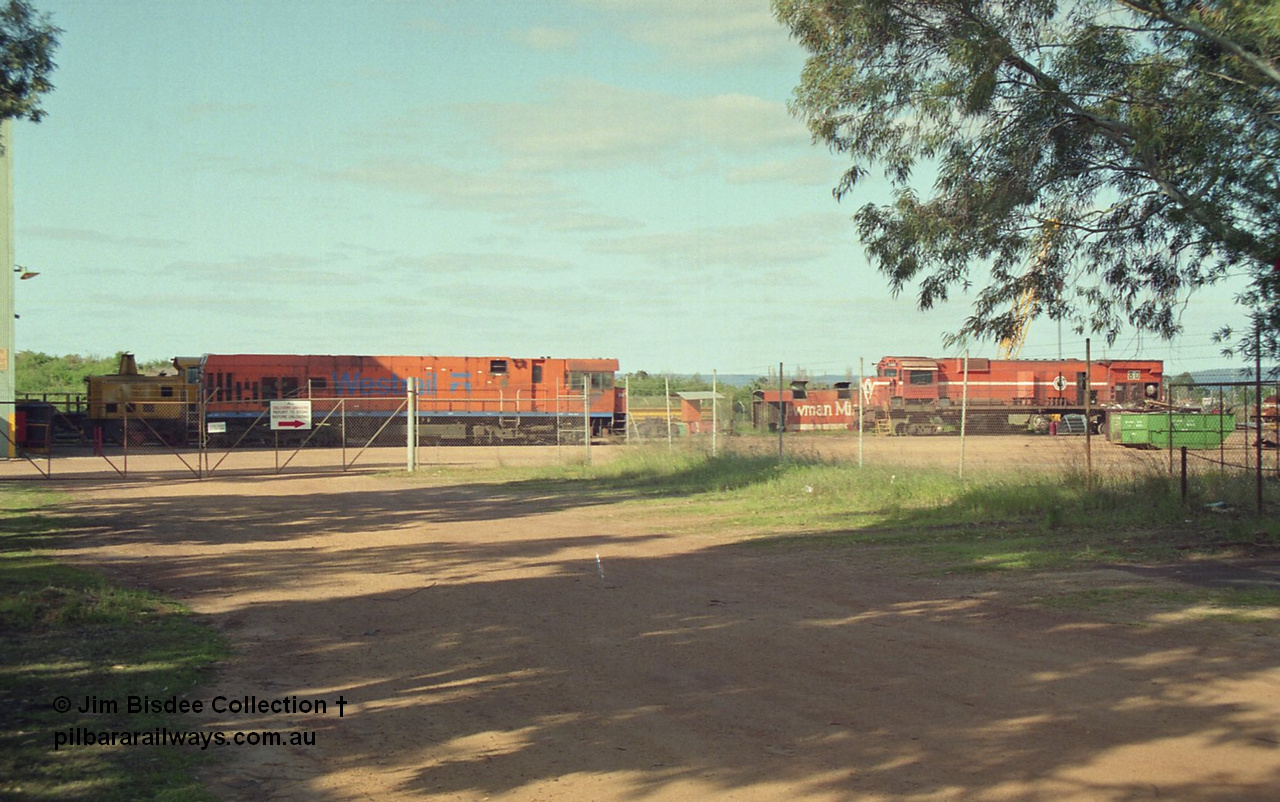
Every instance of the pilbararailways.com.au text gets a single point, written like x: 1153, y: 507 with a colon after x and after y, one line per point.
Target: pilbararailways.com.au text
x: 163, y: 736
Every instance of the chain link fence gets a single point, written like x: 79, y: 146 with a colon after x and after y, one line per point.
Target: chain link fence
x: 1215, y: 432
x: 47, y: 438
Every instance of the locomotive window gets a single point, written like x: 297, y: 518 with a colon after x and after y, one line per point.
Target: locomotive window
x: 166, y: 391
x: 270, y: 387
x: 289, y: 387
x: 889, y: 373
x: 920, y: 376
x: 600, y: 380
x: 318, y: 384
x: 239, y: 390
x: 497, y: 366
x: 537, y: 374
x: 254, y: 395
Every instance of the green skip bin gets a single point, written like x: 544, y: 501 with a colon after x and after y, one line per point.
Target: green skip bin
x: 1169, y: 429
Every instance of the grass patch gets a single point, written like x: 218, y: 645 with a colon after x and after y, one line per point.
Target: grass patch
x: 940, y: 523
x: 1234, y: 605
x: 68, y: 632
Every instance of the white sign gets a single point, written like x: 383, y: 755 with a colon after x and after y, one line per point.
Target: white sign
x: 215, y: 427
x: 292, y: 415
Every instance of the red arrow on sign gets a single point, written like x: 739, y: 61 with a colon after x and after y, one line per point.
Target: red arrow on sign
x: 294, y: 424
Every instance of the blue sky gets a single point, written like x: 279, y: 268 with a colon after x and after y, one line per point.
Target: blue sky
x: 599, y: 178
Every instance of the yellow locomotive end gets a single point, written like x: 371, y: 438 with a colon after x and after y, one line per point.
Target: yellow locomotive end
x: 161, y: 405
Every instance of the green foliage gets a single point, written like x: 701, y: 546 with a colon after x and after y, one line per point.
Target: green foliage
x: 38, y: 372
x: 1105, y: 158
x: 27, y: 43
x: 642, y: 383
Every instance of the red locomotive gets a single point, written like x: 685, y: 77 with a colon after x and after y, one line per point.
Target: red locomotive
x: 459, y: 399
x: 920, y: 395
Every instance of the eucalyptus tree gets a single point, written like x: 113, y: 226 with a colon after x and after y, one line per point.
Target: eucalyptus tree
x: 1101, y: 159
x: 27, y: 42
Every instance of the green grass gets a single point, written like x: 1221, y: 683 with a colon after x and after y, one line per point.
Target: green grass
x: 68, y: 632
x: 1012, y: 530
x: 992, y: 523
x: 1236, y: 605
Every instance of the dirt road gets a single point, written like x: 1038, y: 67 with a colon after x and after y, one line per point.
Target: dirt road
x: 494, y: 646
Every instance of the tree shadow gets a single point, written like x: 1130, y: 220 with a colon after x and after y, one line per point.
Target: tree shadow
x: 617, y: 662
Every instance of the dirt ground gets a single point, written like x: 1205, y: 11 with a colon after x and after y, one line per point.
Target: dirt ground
x: 490, y: 645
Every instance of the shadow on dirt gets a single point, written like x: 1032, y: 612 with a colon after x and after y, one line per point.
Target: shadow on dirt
x: 489, y: 663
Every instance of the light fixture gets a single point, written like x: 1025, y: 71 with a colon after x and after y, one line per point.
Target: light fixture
x: 25, y: 273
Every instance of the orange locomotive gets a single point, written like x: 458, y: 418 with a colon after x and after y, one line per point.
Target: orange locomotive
x: 922, y: 395
x: 913, y: 391
x: 459, y: 399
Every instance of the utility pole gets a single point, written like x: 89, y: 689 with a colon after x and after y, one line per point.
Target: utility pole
x: 8, y: 409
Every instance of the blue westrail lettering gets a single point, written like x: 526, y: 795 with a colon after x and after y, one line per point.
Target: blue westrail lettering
x: 359, y: 384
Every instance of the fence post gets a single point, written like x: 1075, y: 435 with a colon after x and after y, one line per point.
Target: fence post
x: 1184, y: 473
x: 714, y: 397
x: 1257, y: 376
x: 586, y: 414
x: 782, y: 413
x: 666, y: 383
x: 1088, y: 415
x: 964, y: 409
x: 411, y: 427
x: 860, y: 381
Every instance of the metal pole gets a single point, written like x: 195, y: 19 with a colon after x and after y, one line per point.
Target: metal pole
x: 782, y: 412
x: 626, y: 429
x: 411, y: 427
x: 1088, y: 415
x: 8, y: 354
x: 714, y: 418
x: 586, y: 414
x: 964, y: 409
x: 666, y: 383
x: 1184, y: 473
x: 860, y: 381
x: 1257, y: 384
